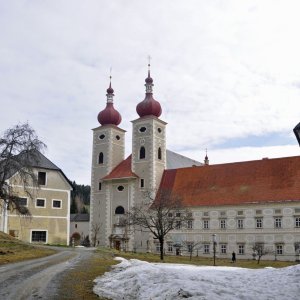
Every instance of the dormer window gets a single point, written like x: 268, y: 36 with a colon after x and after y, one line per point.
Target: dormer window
x: 142, y: 152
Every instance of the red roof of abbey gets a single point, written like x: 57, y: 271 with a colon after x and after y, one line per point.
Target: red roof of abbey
x: 260, y: 181
x: 122, y: 170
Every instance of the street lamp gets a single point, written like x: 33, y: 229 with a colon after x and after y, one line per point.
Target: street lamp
x: 214, y: 247
x: 297, y: 133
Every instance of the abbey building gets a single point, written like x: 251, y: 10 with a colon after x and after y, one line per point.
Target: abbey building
x: 241, y: 205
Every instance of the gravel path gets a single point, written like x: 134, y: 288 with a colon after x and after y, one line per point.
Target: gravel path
x: 38, y: 279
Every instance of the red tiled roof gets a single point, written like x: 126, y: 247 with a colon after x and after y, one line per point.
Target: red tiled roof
x: 267, y: 180
x: 122, y: 170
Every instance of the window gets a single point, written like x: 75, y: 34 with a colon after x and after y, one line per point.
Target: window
x: 39, y: 236
x: 100, y: 186
x: 42, y: 178
x: 40, y: 203
x: 277, y: 222
x: 297, y: 222
x: 240, y: 223
x: 22, y: 201
x: 206, y: 224
x: 159, y: 130
x: 56, y: 203
x: 157, y: 247
x: 120, y: 210
x: 170, y: 247
x: 75, y: 225
x: 118, y: 137
x: 206, y: 248
x: 178, y: 225
x: 101, y: 136
x: 143, y: 129
x: 142, y: 183
x: 190, y: 224
x: 178, y: 214
x: 101, y: 158
x: 223, y: 248
x: 259, y: 223
x: 142, y: 152
x: 279, y: 249
x: 159, y: 153
x: 241, y: 249
x: 120, y: 188
x: 223, y: 224
x: 190, y: 248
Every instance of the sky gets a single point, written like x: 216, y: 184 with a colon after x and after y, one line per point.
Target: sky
x: 226, y: 73
x: 138, y: 280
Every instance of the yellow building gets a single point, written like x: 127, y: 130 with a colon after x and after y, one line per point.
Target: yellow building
x: 49, y: 206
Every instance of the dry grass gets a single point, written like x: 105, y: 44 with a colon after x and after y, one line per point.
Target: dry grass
x: 77, y: 283
x: 205, y: 261
x: 13, y: 250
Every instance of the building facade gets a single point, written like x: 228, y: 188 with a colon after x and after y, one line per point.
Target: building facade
x: 240, y: 205
x: 49, y: 219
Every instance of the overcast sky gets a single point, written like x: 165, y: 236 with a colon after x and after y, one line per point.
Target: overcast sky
x: 227, y: 74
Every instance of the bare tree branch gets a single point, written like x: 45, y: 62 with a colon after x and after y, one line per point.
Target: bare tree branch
x: 159, y: 215
x: 19, y: 148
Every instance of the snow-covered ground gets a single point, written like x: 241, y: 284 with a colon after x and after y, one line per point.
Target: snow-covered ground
x: 135, y: 279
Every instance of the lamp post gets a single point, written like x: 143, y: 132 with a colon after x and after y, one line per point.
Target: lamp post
x: 214, y: 247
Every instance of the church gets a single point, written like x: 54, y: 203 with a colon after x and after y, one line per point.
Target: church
x: 234, y: 206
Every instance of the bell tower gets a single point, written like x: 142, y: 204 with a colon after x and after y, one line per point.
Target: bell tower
x: 149, y: 141
x: 108, y: 152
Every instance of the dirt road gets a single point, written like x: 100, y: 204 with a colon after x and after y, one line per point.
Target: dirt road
x: 38, y: 279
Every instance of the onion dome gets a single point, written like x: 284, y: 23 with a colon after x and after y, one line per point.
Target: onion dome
x: 149, y: 106
x: 109, y: 116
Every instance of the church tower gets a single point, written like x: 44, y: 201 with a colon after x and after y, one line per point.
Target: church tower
x: 149, y: 141
x: 108, y: 152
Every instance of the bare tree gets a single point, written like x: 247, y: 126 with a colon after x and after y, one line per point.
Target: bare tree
x: 95, y: 230
x: 191, y: 247
x: 159, y: 214
x: 259, y: 251
x: 19, y: 150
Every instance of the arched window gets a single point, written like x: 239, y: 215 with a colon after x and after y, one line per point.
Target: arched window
x: 120, y: 210
x: 142, y: 152
x: 159, y: 153
x: 100, y: 158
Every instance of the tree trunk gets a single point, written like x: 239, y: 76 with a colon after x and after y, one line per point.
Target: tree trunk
x: 161, y: 242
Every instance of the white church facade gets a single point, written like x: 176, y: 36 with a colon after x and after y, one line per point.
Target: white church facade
x: 238, y: 204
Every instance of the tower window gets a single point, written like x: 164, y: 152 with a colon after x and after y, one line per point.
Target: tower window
x: 120, y: 188
x: 159, y: 153
x: 100, y: 186
x: 101, y: 136
x: 120, y: 210
x: 101, y: 158
x: 159, y: 130
x: 118, y: 137
x: 143, y: 129
x: 142, y: 182
x: 142, y: 152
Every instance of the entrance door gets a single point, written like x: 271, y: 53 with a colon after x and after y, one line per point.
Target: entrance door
x: 117, y: 245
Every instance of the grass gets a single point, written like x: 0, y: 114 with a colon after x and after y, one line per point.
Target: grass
x: 13, y: 250
x: 205, y: 261
x: 78, y: 283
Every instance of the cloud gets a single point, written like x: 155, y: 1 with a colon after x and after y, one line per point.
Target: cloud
x: 223, y: 71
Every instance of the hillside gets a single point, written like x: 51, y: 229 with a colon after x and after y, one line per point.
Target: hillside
x: 13, y: 250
